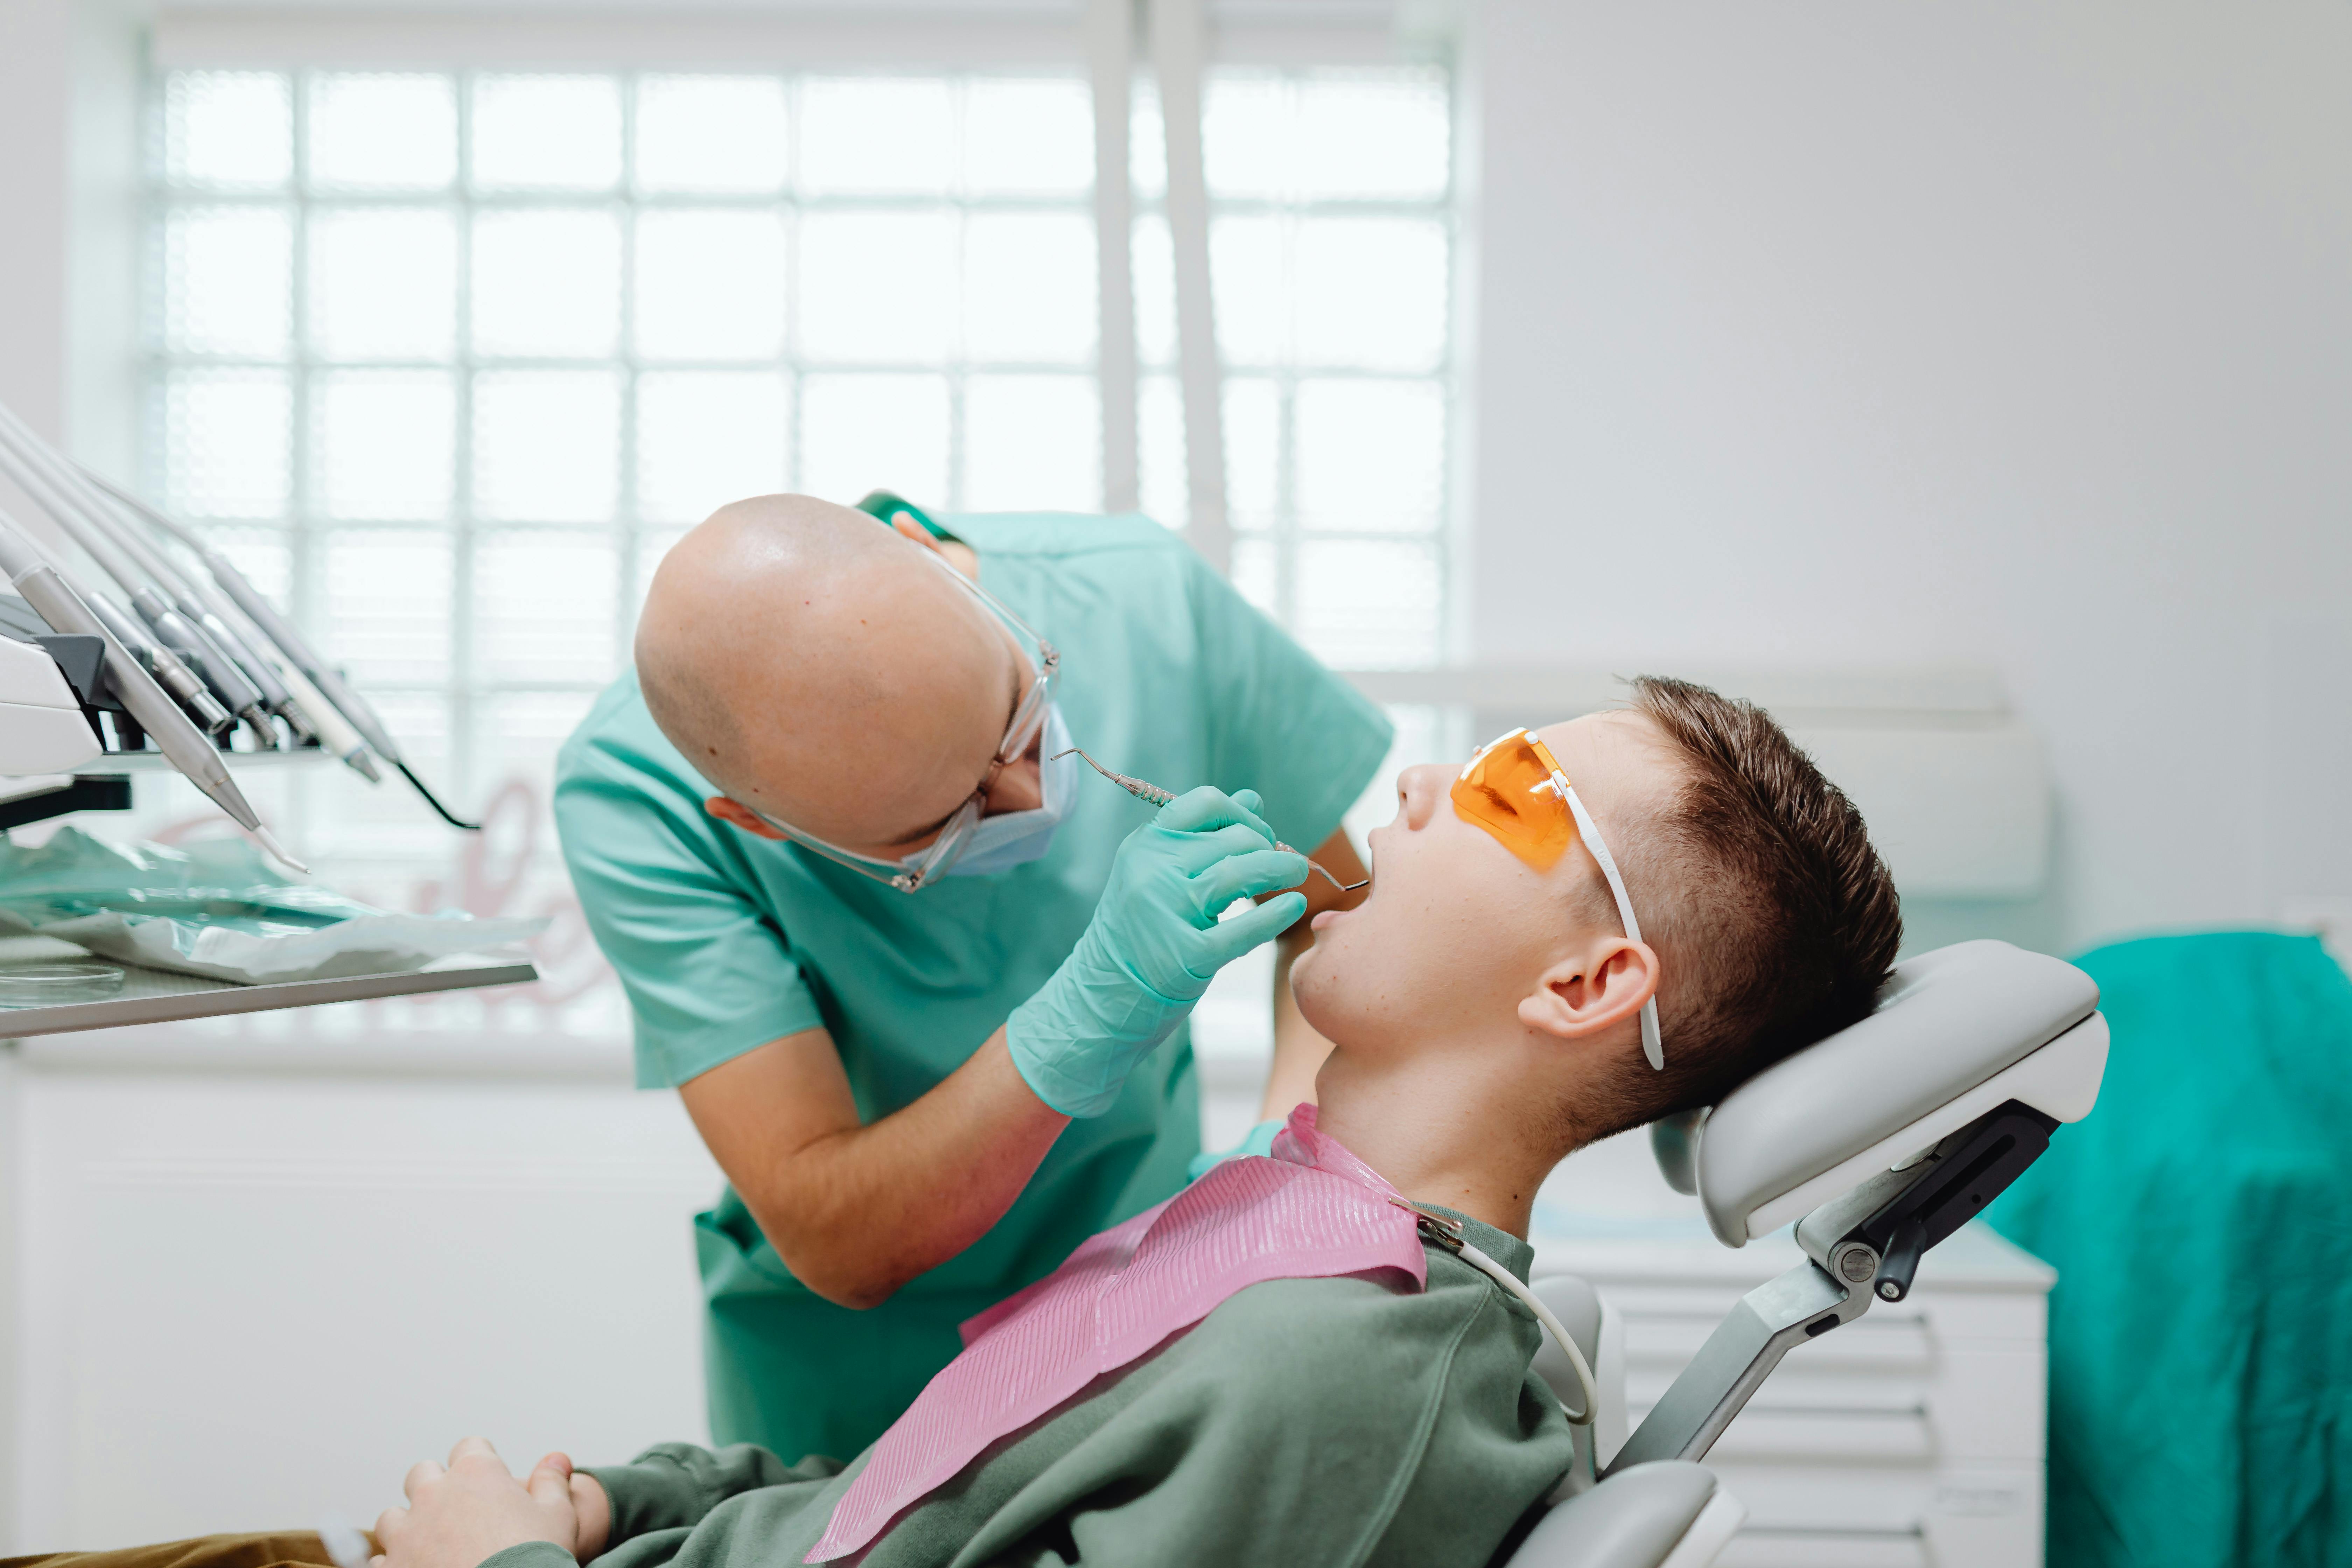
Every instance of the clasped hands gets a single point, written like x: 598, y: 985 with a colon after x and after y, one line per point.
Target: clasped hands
x: 463, y: 1513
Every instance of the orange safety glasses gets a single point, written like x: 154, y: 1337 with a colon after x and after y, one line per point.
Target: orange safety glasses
x: 1516, y: 790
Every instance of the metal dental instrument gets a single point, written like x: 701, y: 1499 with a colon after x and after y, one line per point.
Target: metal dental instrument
x: 54, y: 598
x: 1143, y: 789
x: 176, y: 678
x: 198, y: 631
x: 202, y: 605
x: 171, y: 632
x: 306, y: 708
x: 299, y: 655
x: 208, y: 619
x: 162, y: 663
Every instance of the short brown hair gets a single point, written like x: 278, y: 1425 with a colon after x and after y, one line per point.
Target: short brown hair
x: 1774, y: 920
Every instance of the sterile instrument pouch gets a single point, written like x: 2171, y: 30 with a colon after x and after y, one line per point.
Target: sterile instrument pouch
x: 214, y: 907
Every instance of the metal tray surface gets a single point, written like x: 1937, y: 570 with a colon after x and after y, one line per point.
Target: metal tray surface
x: 161, y: 997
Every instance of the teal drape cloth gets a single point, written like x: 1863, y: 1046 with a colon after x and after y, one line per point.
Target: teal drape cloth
x: 2201, y: 1222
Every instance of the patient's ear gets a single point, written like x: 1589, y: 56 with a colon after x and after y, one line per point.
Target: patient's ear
x: 1599, y: 987
x: 726, y: 810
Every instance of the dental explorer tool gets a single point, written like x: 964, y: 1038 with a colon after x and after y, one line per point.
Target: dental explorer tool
x: 1143, y: 789
x: 301, y: 656
x: 55, y: 600
x: 78, y: 516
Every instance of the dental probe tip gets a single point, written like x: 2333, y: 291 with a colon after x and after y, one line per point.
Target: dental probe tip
x: 1317, y: 865
x: 277, y: 852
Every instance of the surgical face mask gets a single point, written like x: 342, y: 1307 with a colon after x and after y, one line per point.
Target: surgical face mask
x: 1013, y: 838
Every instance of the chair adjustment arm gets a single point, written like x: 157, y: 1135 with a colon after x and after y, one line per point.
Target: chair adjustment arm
x: 1862, y: 1246
x: 1802, y: 1304
x: 1876, y: 1234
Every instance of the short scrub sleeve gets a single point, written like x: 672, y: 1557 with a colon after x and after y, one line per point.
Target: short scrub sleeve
x: 707, y: 975
x: 1281, y: 723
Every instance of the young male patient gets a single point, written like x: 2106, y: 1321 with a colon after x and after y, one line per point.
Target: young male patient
x: 1484, y: 1009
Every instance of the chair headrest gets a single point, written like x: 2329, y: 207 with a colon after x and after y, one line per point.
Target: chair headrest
x: 1947, y: 1022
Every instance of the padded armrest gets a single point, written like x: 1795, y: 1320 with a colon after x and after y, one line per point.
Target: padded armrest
x: 1666, y: 1515
x: 1947, y: 1022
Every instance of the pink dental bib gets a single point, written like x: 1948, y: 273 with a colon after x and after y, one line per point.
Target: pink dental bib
x: 1312, y: 1211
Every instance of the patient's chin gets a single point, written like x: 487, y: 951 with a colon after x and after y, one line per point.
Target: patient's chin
x: 1330, y: 991
x: 1310, y: 988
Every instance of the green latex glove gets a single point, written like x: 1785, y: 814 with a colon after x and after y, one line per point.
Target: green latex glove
x: 1153, y: 945
x: 1258, y: 1141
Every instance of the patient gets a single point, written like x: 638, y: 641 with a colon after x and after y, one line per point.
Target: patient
x: 1484, y: 1009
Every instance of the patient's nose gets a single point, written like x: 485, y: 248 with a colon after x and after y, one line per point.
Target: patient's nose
x: 1419, y: 791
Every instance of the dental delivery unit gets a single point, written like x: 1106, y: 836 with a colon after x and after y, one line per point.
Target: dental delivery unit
x: 179, y: 660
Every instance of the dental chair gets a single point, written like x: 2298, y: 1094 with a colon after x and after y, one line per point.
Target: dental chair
x: 1878, y: 1141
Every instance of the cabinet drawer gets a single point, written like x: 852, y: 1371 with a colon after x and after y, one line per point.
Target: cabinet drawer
x: 1970, y: 1515
x: 1853, y: 1438
x: 1808, y: 1549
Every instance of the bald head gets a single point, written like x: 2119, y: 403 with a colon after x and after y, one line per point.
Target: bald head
x: 818, y: 665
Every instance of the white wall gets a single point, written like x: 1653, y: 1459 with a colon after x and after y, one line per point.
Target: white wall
x: 69, y: 108
x: 1996, y: 331
x: 35, y: 102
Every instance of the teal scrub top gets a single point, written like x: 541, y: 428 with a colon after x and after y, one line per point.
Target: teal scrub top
x: 724, y: 941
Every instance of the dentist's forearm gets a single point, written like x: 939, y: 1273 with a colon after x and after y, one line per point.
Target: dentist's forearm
x: 855, y: 1211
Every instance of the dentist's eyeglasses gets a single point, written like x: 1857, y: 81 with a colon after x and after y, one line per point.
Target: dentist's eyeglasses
x: 1019, y: 734
x: 1516, y: 790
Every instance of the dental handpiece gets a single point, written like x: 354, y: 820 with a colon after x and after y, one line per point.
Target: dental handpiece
x: 300, y: 657
x: 57, y: 487
x: 196, y: 621
x: 55, y: 600
x: 162, y: 663
x: 1143, y: 789
x: 183, y: 682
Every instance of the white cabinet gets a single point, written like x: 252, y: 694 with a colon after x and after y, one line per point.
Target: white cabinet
x: 252, y: 1283
x: 1909, y: 1438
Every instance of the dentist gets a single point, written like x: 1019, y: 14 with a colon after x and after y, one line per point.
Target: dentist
x: 923, y: 990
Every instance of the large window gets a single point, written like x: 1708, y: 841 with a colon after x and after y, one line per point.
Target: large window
x: 1330, y: 243
x: 446, y: 360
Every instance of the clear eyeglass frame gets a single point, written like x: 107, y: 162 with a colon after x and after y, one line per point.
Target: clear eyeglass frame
x: 1028, y: 720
